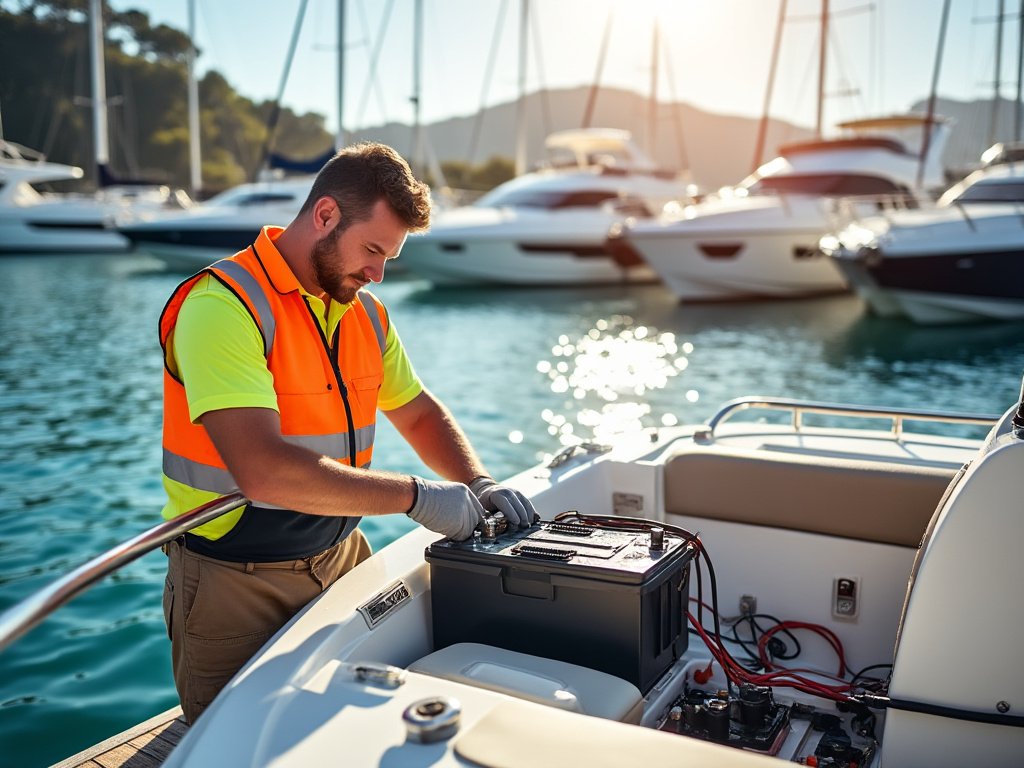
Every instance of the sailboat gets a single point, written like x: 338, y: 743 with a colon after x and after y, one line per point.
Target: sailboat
x: 547, y: 227
x: 190, y: 240
x: 31, y: 221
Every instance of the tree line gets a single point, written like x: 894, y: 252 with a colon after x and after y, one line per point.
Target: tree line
x: 45, y: 102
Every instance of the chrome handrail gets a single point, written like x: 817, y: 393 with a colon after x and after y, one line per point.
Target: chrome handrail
x: 23, y: 616
x: 801, y: 407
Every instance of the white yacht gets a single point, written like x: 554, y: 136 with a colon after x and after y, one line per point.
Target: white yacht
x: 224, y: 224
x: 33, y: 221
x: 760, y: 239
x: 548, y: 227
x: 958, y: 261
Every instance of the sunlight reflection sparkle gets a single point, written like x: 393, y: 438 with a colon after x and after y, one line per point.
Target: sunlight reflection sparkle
x: 606, y: 373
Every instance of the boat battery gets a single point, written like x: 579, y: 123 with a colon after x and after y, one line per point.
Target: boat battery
x: 609, y: 599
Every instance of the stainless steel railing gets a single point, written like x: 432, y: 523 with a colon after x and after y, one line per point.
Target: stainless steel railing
x: 20, y: 618
x: 799, y: 408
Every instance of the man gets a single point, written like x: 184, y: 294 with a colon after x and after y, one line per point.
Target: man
x: 276, y: 362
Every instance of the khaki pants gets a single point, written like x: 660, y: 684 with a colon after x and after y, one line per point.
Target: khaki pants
x: 219, y: 614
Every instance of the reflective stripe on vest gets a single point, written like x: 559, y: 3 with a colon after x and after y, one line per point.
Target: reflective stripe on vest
x: 203, y: 477
x: 267, y: 324
x: 373, y: 312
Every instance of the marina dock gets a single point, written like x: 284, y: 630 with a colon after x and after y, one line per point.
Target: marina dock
x: 145, y: 745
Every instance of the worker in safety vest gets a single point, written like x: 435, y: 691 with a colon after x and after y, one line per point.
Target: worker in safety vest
x: 276, y: 362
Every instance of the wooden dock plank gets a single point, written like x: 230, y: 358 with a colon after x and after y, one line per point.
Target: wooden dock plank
x: 146, y: 745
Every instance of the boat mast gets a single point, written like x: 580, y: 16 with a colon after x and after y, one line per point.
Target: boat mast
x: 417, y: 65
x: 275, y: 112
x: 822, y: 49
x: 762, y: 128
x: 194, y: 152
x: 652, y: 118
x: 339, y: 139
x: 524, y: 20
x: 588, y: 112
x: 994, y: 120
x: 101, y: 146
x: 930, y: 116
x: 1020, y: 71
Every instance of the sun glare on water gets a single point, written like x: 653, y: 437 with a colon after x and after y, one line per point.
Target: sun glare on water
x: 605, y: 375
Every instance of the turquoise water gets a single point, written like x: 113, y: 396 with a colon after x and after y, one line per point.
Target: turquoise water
x: 522, y: 371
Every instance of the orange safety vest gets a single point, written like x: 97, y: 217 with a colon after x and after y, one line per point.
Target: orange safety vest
x: 326, y: 394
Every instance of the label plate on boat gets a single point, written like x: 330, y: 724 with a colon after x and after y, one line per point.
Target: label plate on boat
x: 384, y: 603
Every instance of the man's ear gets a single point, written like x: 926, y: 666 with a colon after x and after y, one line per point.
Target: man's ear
x: 326, y: 214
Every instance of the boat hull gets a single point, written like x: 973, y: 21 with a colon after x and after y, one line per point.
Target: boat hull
x: 722, y: 266
x: 953, y: 287
x: 505, y: 261
x: 67, y: 235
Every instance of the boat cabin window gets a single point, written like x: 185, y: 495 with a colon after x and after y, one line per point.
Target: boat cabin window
x: 264, y: 198
x: 991, y: 192
x: 250, y: 197
x: 829, y: 184
x: 547, y: 199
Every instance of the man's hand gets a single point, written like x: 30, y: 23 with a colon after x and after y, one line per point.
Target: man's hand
x: 517, y: 508
x: 450, y: 509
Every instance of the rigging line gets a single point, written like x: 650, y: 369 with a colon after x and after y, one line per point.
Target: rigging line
x: 843, y: 69
x: 762, y: 128
x: 928, y: 126
x: 677, y: 111
x: 588, y: 112
x: 275, y: 112
x: 371, y: 81
x: 474, y: 139
x: 545, y: 97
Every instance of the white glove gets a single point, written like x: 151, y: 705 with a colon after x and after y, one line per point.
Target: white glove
x: 450, y: 509
x: 517, y: 508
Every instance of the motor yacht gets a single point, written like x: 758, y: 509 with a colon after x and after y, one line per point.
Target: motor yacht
x: 224, y: 224
x: 32, y: 221
x: 760, y: 239
x: 548, y: 227
x: 957, y: 261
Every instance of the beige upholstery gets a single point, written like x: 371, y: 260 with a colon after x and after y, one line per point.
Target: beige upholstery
x: 545, y: 681
x: 855, y: 499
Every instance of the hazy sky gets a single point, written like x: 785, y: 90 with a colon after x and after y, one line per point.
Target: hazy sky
x: 881, y: 53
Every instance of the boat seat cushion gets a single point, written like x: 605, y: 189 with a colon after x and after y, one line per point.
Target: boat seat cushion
x: 849, y: 497
x: 545, y: 681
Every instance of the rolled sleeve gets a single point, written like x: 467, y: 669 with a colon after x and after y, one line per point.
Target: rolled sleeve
x: 401, y: 384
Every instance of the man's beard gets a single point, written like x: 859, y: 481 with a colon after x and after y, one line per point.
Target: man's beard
x: 330, y: 279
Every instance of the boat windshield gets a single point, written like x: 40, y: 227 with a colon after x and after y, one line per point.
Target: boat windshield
x: 547, y: 199
x: 985, y: 192
x: 245, y: 197
x: 823, y: 185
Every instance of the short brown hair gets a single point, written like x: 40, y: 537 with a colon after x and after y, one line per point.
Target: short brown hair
x: 360, y: 175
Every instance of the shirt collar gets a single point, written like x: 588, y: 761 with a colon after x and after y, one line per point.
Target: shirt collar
x: 277, y: 269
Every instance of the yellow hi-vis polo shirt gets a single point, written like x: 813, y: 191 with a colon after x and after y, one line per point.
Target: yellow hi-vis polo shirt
x: 217, y: 351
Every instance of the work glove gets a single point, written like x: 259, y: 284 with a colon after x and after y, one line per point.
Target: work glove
x: 517, y: 508
x: 450, y: 509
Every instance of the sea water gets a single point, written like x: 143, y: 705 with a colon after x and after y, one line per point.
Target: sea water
x: 525, y: 372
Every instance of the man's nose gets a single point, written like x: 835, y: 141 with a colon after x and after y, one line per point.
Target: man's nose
x: 375, y: 271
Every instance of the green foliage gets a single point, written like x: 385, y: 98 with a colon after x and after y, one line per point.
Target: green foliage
x: 482, y: 177
x: 45, y: 92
